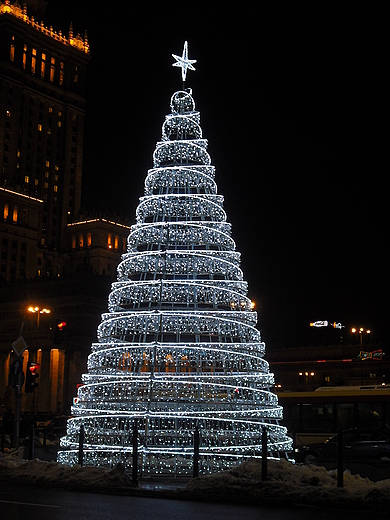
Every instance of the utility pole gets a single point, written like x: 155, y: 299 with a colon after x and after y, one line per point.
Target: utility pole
x: 16, y: 380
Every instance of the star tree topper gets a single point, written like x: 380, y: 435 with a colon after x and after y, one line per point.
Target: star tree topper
x: 183, y: 62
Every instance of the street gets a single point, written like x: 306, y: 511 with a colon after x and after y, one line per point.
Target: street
x: 48, y: 504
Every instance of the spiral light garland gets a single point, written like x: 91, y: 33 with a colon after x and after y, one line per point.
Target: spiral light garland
x: 178, y: 347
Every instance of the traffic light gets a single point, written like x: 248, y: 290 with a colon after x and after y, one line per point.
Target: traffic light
x: 31, y: 376
x: 58, y: 331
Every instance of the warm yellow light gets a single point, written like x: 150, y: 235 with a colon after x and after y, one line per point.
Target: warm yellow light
x: 37, y: 309
x: 361, y: 330
x: 368, y: 331
x: 353, y: 330
x: 252, y: 305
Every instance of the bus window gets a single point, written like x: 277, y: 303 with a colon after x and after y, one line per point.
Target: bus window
x: 325, y: 417
x: 345, y: 415
x: 370, y: 415
x: 386, y: 416
x: 291, y: 417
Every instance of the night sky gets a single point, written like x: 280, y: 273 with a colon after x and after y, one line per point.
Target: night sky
x: 293, y: 99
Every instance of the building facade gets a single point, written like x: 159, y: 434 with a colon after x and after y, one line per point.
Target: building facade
x: 52, y: 256
x: 42, y: 110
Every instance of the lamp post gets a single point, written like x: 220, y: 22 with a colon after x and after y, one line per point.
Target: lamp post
x: 354, y: 330
x: 360, y: 330
x: 38, y: 311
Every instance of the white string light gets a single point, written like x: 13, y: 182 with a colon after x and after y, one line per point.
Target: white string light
x: 178, y: 347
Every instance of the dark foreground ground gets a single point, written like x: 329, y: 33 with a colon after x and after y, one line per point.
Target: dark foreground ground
x: 286, y: 485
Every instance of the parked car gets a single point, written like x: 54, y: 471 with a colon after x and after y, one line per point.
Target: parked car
x: 358, y: 445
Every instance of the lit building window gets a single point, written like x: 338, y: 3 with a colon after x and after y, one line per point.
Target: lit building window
x: 5, y: 211
x: 43, y: 65
x: 36, y: 182
x: 47, y: 163
x: 52, y: 69
x: 50, y: 110
x: 109, y: 241
x: 33, y: 60
x: 8, y: 113
x: 61, y: 81
x: 46, y: 185
x: 24, y: 59
x: 55, y: 188
x: 39, y: 127
x: 89, y: 239
x: 26, y: 179
x: 116, y: 242
x: 73, y: 241
x: 59, y: 124
x: 12, y: 50
x: 15, y: 215
x: 81, y: 241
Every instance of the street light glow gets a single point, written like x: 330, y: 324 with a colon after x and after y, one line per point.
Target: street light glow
x: 37, y: 309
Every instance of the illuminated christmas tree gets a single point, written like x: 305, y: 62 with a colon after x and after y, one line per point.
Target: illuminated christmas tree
x: 178, y: 349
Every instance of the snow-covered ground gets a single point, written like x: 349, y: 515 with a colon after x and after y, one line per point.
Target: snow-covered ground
x: 286, y: 483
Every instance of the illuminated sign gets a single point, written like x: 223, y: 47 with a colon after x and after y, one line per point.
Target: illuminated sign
x: 375, y: 354
x: 319, y: 324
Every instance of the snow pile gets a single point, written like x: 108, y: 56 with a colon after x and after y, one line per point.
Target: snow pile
x: 37, y: 472
x: 287, y: 483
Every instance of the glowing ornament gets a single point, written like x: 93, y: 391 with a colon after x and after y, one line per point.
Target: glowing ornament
x: 183, y: 62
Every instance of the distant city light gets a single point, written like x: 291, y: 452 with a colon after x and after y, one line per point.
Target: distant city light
x: 326, y: 323
x: 337, y: 325
x: 319, y: 324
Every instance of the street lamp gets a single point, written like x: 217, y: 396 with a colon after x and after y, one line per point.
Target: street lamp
x: 38, y: 311
x: 361, y: 330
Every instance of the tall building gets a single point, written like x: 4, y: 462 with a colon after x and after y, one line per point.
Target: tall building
x: 42, y: 109
x: 52, y: 256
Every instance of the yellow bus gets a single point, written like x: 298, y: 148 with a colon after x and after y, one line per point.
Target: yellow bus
x: 315, y: 416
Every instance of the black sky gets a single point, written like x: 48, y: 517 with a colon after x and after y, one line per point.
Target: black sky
x: 293, y: 99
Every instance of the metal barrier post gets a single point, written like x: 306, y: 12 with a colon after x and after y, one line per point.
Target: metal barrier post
x: 31, y: 444
x: 81, y: 444
x: 340, y: 459
x: 196, y: 452
x: 264, y: 450
x: 135, y: 453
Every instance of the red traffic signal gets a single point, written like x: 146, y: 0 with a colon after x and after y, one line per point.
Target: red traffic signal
x: 31, y: 376
x: 61, y: 324
x: 33, y: 367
